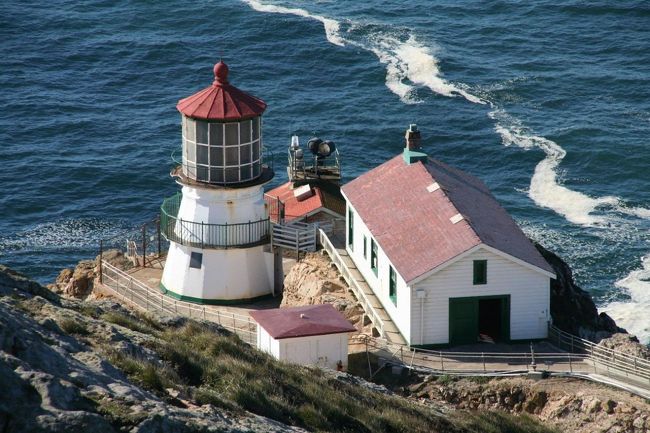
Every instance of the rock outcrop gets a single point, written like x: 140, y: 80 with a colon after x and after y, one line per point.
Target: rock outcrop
x: 54, y: 379
x: 79, y: 282
x: 570, y: 406
x: 572, y: 309
x: 314, y: 280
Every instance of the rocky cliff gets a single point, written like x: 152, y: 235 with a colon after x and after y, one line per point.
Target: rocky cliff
x: 55, y: 376
x: 573, y: 310
x: 568, y: 405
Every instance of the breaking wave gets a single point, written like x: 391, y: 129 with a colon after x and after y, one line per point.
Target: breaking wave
x: 408, y: 63
x: 632, y: 314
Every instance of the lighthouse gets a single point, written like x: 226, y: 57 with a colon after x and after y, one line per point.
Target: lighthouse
x: 218, y: 226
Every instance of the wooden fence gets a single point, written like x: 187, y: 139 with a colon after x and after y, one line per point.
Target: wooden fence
x: 295, y: 236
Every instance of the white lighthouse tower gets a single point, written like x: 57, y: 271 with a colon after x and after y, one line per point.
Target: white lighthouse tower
x: 218, y: 226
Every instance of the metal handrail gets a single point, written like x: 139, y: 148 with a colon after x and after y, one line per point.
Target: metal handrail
x: 209, y: 235
x: 125, y: 287
x: 131, y: 290
x: 608, y: 358
x: 313, y: 163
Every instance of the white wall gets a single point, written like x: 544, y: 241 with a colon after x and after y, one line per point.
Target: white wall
x: 220, y: 206
x: 529, y: 293
x: 267, y: 344
x: 401, y: 310
x: 232, y: 274
x: 225, y: 274
x: 321, y: 350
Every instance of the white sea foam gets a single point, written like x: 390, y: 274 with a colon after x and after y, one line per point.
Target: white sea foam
x: 545, y: 189
x: 410, y: 65
x: 331, y: 26
x: 405, y: 60
x: 410, y: 60
x: 633, y: 315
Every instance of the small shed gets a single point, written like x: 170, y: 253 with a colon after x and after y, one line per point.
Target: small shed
x: 308, y: 335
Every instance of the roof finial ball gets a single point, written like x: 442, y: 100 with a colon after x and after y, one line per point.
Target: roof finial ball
x: 220, y: 73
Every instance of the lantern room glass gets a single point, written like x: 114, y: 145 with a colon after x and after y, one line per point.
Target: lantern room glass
x: 222, y: 153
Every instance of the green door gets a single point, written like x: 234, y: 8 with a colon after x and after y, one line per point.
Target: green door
x: 470, y: 316
x: 463, y: 321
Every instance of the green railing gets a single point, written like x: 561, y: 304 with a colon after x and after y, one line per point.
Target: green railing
x: 204, y: 235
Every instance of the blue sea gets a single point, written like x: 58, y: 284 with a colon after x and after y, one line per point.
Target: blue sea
x: 548, y: 102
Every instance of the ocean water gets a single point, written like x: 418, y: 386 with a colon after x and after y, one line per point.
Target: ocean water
x: 547, y: 102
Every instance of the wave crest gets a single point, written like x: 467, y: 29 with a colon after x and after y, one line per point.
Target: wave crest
x: 632, y: 314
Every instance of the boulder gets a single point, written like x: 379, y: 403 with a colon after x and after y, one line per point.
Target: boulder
x: 626, y: 343
x: 79, y: 282
x: 314, y: 280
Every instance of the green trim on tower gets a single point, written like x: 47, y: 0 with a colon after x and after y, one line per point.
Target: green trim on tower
x: 202, y: 301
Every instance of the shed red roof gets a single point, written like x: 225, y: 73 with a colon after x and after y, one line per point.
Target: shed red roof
x: 409, y: 216
x: 302, y: 321
x: 321, y: 198
x: 221, y: 101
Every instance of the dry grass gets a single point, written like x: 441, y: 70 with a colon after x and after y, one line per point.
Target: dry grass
x: 223, y: 371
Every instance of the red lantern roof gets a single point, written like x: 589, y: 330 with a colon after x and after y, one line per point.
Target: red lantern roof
x: 221, y: 101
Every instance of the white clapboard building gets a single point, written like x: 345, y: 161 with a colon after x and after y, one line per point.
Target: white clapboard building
x: 446, y: 261
x: 308, y: 335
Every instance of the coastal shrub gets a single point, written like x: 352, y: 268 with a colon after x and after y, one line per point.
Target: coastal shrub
x: 226, y: 369
x: 119, y: 414
x: 153, y: 377
x: 481, y: 380
x: 499, y: 422
x: 445, y: 379
x: 71, y: 326
x: 88, y: 310
x: 129, y: 322
x: 148, y: 319
x: 204, y: 395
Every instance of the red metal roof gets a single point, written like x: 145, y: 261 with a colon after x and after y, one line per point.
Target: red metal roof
x: 221, y: 101
x: 412, y: 225
x: 302, y: 321
x: 294, y: 209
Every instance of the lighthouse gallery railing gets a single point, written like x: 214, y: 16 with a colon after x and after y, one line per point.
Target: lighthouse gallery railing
x: 205, y: 235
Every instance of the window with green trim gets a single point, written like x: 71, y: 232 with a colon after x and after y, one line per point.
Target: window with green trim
x: 480, y: 271
x: 373, y: 256
x: 365, y: 247
x: 392, y: 285
x: 350, y: 228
